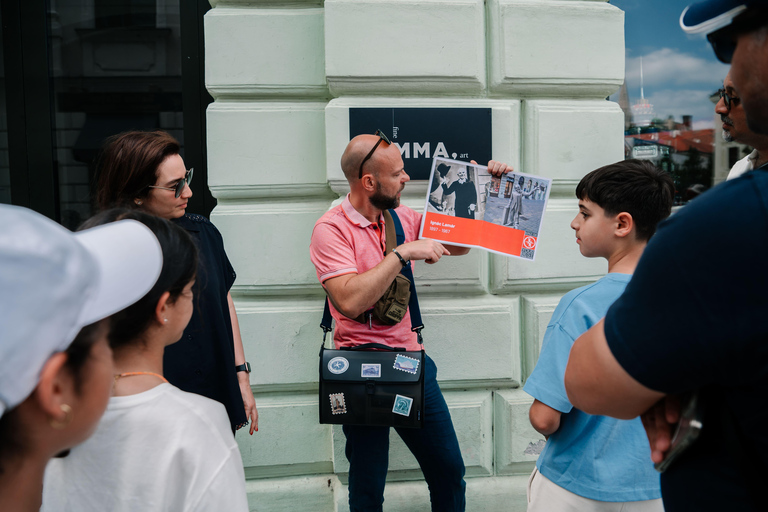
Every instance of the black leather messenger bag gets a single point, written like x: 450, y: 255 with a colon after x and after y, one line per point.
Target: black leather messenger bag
x: 374, y: 384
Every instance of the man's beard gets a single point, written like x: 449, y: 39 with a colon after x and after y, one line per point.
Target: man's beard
x: 383, y: 202
x: 727, y: 136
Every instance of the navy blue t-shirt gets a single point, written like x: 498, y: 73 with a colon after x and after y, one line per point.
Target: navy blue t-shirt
x: 203, y: 361
x: 695, y: 317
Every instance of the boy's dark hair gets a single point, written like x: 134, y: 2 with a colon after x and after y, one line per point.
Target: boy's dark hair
x: 634, y: 186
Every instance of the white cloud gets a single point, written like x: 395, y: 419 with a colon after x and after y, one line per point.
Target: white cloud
x: 677, y: 103
x: 668, y: 67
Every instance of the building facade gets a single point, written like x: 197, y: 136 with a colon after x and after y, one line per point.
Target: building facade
x: 284, y: 76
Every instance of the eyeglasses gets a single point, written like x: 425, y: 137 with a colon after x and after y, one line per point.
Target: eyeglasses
x: 179, y: 188
x: 381, y: 137
x: 728, y: 100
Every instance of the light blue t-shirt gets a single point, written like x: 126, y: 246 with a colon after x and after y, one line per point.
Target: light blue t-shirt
x: 596, y: 457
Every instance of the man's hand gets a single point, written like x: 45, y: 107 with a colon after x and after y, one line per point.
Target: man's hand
x: 472, y: 207
x: 426, y: 249
x: 659, y: 422
x: 497, y: 169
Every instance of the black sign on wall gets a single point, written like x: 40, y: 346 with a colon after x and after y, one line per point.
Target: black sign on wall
x: 424, y: 133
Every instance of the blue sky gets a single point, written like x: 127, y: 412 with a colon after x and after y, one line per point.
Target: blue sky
x: 679, y: 71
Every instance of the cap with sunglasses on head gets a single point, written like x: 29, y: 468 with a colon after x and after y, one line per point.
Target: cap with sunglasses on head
x: 54, y: 282
x: 723, y: 21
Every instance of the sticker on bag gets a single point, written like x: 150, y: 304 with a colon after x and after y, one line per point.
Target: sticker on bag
x: 338, y: 365
x: 406, y: 364
x: 370, y: 370
x: 402, y: 405
x: 338, y: 405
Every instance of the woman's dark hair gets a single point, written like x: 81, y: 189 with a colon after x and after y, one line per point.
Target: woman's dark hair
x: 12, y: 441
x: 127, y: 166
x: 179, y: 269
x: 634, y: 186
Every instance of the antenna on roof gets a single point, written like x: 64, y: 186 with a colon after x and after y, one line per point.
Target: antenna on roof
x: 642, y: 94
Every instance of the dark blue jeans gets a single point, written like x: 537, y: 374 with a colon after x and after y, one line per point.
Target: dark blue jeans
x: 435, y: 447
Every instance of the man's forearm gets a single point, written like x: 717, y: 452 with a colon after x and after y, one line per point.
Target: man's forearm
x: 353, y: 294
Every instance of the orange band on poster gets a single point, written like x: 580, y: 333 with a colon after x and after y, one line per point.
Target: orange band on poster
x: 472, y: 232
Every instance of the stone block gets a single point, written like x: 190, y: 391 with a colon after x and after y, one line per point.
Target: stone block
x: 472, y: 415
x: 281, y: 339
x: 566, y: 139
x: 265, y: 52
x: 405, y: 46
x: 517, y: 444
x: 555, y: 48
x: 473, y: 341
x: 268, y: 245
x: 291, y: 150
x: 537, y: 311
x: 317, y: 493
x: 274, y: 451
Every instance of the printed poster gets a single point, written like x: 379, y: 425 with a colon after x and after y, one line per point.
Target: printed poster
x: 469, y: 207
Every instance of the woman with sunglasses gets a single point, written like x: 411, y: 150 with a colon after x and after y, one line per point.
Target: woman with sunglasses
x: 143, y: 170
x: 156, y: 447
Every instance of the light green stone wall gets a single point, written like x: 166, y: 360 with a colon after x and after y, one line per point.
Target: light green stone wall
x: 283, y: 75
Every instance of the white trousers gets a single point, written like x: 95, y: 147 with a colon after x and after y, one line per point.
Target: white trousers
x: 546, y: 496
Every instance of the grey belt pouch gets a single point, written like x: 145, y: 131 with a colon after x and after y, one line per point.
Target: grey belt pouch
x: 382, y: 387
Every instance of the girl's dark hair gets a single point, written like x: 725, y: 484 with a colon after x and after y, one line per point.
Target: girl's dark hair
x: 634, y: 186
x: 12, y: 441
x: 179, y: 269
x: 127, y: 166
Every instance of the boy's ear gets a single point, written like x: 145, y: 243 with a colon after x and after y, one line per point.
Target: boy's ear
x: 624, y: 225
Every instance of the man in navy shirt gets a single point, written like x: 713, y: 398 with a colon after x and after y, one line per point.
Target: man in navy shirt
x: 684, y: 324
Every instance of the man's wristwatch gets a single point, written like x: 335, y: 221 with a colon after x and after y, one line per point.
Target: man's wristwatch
x: 245, y: 367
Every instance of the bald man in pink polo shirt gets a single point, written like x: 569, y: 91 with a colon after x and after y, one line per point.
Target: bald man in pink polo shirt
x: 347, y: 249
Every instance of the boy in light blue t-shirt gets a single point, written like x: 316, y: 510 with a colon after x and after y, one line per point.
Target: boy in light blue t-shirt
x: 595, y: 462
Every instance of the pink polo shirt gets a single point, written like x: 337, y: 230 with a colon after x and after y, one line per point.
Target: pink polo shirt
x: 345, y: 242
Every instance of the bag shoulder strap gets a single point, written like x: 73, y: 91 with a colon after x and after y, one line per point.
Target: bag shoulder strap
x: 393, y: 230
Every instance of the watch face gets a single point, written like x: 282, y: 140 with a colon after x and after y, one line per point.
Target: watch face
x: 248, y: 367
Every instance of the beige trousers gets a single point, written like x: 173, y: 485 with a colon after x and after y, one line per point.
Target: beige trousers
x: 546, y: 496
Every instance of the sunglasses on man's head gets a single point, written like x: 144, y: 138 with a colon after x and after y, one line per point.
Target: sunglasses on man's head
x: 179, y: 187
x: 381, y: 137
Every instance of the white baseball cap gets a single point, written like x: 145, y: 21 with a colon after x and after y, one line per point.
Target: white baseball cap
x: 54, y: 282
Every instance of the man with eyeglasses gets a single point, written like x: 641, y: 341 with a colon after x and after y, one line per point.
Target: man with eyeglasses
x: 347, y: 249
x: 735, y: 129
x: 706, y: 334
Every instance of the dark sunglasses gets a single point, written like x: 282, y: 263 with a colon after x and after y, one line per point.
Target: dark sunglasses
x: 179, y: 188
x: 381, y: 137
x: 729, y: 100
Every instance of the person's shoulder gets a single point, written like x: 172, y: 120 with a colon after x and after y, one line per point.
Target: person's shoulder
x: 332, y: 216
x: 209, y: 414
x: 591, y: 298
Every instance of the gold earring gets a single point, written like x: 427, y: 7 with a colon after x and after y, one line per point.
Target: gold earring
x: 60, y: 425
x: 139, y: 202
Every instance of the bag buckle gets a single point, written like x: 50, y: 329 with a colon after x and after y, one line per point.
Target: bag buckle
x: 417, y: 330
